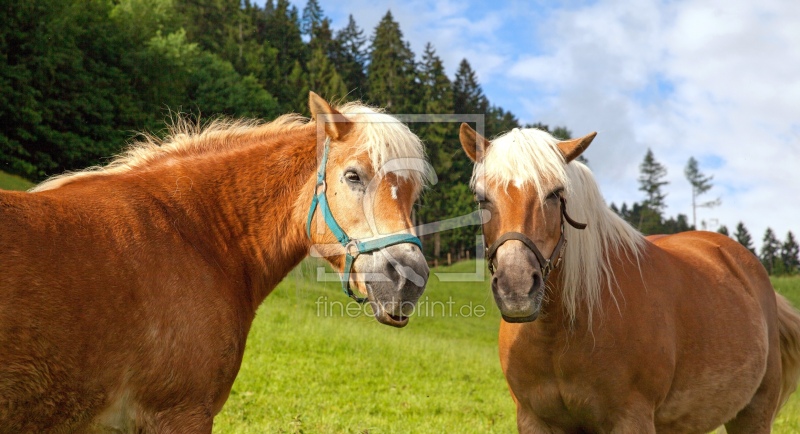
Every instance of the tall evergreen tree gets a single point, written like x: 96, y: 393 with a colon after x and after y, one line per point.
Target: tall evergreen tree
x: 468, y: 97
x: 723, y: 230
x: 391, y: 71
x: 351, y: 57
x: 436, y: 97
x: 322, y: 39
x: 770, y: 251
x: 298, y: 82
x: 700, y: 184
x: 742, y: 235
x: 790, y: 254
x: 323, y: 78
x: 282, y: 32
x: 651, y: 181
x: 312, y: 17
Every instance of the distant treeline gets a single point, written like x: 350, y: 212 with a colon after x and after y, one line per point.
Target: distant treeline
x: 779, y: 258
x: 78, y: 78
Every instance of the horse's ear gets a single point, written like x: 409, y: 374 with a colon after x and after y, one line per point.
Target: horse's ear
x: 473, y: 143
x: 336, y: 125
x: 572, y: 148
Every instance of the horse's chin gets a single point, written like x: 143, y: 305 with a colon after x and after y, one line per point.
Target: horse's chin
x: 382, y: 315
x: 520, y: 319
x: 521, y: 311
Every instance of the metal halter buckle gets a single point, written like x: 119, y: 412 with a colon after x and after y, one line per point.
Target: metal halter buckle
x: 323, y: 184
x: 352, y: 249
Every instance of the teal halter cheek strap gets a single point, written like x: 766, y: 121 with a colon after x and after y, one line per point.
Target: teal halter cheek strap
x: 352, y: 247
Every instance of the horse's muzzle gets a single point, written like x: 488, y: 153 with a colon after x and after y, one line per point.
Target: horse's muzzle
x: 395, y: 279
x: 517, y: 284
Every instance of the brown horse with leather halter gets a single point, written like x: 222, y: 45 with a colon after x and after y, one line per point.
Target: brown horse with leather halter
x: 127, y: 291
x: 617, y: 333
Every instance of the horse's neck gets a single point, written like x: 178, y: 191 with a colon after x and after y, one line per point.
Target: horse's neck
x: 248, y: 206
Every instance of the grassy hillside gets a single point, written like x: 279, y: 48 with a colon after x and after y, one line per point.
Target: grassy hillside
x: 13, y: 182
x: 309, y: 367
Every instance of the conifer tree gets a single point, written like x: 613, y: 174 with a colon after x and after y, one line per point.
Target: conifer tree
x: 298, y: 82
x: 651, y: 180
x: 742, y: 235
x: 350, y: 57
x: 436, y: 98
x: 322, y: 39
x: 312, y: 17
x: 468, y: 96
x: 724, y: 230
x: 391, y: 71
x: 790, y: 255
x: 323, y: 78
x: 700, y: 184
x: 282, y: 32
x: 770, y: 251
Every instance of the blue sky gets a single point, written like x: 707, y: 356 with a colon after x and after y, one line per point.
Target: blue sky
x: 717, y: 80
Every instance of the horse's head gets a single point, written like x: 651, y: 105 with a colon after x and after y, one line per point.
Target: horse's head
x: 371, y: 172
x: 520, y: 178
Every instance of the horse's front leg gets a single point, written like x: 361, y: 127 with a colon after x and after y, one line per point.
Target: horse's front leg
x: 636, y: 419
x: 529, y: 423
x: 181, y: 421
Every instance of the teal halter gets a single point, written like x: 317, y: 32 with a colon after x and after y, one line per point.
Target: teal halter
x: 352, y: 247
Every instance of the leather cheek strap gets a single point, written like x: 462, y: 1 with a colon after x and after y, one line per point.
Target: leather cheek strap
x: 547, y: 265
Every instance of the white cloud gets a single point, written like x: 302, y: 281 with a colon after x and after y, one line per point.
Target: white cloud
x: 686, y: 78
x: 730, y: 87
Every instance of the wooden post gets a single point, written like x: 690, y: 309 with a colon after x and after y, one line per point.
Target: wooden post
x: 449, y: 259
x: 467, y: 255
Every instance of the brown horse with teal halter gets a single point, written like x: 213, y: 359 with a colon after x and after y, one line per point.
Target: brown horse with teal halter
x: 127, y: 292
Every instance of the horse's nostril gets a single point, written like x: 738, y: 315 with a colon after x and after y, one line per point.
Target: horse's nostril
x: 537, y: 282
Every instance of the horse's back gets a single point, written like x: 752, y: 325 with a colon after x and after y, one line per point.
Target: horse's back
x: 726, y: 326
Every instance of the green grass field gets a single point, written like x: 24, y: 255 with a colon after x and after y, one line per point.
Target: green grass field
x: 789, y: 419
x: 13, y: 182
x: 312, y: 370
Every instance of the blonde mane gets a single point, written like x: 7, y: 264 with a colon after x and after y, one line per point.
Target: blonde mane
x: 382, y: 136
x: 531, y: 157
x: 390, y: 144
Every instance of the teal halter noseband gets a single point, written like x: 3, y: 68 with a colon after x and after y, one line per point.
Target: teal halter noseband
x: 352, y: 247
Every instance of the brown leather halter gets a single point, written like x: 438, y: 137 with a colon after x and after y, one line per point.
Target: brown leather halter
x: 547, y: 265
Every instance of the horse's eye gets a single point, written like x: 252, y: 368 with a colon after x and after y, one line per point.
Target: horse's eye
x: 353, y: 177
x: 555, y: 194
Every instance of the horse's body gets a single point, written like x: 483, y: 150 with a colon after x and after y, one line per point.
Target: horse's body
x: 126, y: 297
x: 690, y: 343
x: 672, y: 334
